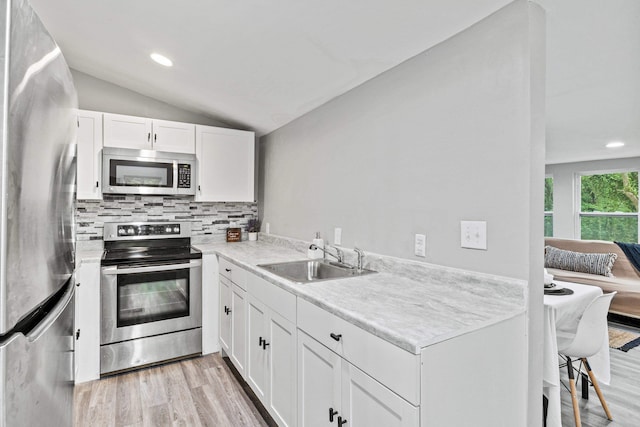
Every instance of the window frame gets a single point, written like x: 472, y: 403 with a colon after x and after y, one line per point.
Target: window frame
x: 550, y: 213
x: 578, y: 214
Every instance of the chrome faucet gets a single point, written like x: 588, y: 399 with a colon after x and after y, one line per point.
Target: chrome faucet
x: 339, y: 254
x: 360, y: 254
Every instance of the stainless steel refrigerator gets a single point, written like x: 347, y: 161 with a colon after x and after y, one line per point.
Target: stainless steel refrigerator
x: 37, y: 180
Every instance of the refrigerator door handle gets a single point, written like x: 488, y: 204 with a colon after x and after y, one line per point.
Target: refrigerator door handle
x: 53, y: 315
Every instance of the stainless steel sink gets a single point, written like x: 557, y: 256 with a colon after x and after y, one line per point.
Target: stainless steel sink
x: 313, y: 270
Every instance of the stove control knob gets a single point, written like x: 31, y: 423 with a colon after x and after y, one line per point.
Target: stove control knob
x: 167, y: 230
x: 122, y: 231
x: 130, y: 230
x: 176, y: 229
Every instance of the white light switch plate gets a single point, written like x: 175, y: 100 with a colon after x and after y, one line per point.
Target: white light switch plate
x: 420, y: 245
x: 337, y: 236
x: 473, y: 234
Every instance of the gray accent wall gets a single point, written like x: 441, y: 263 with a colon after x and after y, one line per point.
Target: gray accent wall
x: 99, y: 95
x: 443, y: 137
x: 455, y: 133
x: 564, y: 189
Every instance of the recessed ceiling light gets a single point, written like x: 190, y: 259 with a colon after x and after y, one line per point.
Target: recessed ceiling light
x: 161, y: 59
x: 615, y: 144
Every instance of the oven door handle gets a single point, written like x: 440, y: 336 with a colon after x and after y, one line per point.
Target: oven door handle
x: 114, y: 270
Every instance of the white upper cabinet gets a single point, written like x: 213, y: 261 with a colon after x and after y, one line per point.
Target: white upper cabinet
x: 176, y: 137
x: 127, y: 131
x: 226, y: 164
x: 89, y: 155
x: 148, y: 134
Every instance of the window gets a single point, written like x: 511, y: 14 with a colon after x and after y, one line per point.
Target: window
x: 609, y: 206
x: 548, y: 207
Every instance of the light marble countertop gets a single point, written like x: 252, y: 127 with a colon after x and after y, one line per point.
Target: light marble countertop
x: 412, y: 305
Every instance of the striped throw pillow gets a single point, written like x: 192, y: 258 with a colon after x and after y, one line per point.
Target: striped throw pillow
x: 592, y: 263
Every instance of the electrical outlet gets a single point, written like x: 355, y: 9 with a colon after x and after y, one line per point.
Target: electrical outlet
x: 473, y: 234
x: 337, y: 236
x: 420, y: 245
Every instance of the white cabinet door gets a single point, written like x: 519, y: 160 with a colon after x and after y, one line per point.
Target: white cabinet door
x: 87, y: 321
x: 258, y: 347
x: 282, y: 396
x: 89, y: 160
x: 127, y: 131
x: 318, y: 383
x: 238, y: 354
x: 226, y: 164
x: 210, y: 305
x: 225, y: 315
x: 332, y: 390
x: 366, y: 402
x: 175, y: 137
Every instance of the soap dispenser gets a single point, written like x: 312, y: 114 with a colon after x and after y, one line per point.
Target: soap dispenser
x: 316, y: 253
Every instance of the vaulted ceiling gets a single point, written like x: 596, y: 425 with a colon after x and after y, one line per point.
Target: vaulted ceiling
x: 262, y: 64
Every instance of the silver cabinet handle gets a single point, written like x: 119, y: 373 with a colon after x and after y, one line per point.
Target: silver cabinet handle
x: 114, y: 270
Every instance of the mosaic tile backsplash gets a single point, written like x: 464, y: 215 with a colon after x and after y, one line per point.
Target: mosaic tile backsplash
x: 209, y: 220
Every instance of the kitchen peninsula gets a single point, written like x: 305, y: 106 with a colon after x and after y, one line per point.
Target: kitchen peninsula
x: 410, y: 337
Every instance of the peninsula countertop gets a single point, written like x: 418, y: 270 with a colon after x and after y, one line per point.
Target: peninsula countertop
x: 409, y: 304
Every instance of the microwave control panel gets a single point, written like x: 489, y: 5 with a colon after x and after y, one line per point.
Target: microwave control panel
x: 184, y: 175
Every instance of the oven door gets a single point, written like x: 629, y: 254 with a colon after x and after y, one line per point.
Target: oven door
x: 141, y: 301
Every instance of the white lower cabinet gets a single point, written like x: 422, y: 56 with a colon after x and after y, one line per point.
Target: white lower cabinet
x: 238, y: 313
x: 366, y: 402
x: 225, y: 315
x: 258, y: 365
x: 233, y: 300
x: 271, y: 356
x: 332, y: 390
x: 319, y: 372
x: 210, y: 304
x: 87, y: 323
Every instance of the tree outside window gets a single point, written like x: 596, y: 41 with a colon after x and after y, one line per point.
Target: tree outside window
x: 609, y: 207
x: 548, y: 207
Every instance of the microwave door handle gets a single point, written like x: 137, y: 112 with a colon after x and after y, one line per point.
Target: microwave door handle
x: 175, y: 176
x: 113, y: 270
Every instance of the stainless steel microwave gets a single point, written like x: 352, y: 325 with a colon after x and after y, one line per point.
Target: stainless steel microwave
x: 129, y: 171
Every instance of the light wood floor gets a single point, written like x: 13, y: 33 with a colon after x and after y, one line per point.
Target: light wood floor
x: 622, y: 395
x: 193, y: 392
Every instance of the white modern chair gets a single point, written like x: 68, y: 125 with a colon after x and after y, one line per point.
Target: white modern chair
x: 587, y: 342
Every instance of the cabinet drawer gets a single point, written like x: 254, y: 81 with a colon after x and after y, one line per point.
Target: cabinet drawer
x: 394, y: 367
x: 237, y: 275
x: 276, y: 298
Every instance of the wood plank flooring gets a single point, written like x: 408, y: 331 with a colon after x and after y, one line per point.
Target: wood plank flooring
x: 622, y: 395
x: 194, y: 392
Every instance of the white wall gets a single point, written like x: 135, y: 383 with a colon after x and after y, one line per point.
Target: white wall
x: 564, y: 189
x: 455, y: 133
x: 99, y: 95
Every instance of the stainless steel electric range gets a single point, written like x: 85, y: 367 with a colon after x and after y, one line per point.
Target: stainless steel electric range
x: 151, y: 295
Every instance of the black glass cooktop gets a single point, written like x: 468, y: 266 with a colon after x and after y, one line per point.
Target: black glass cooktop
x: 148, y: 254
